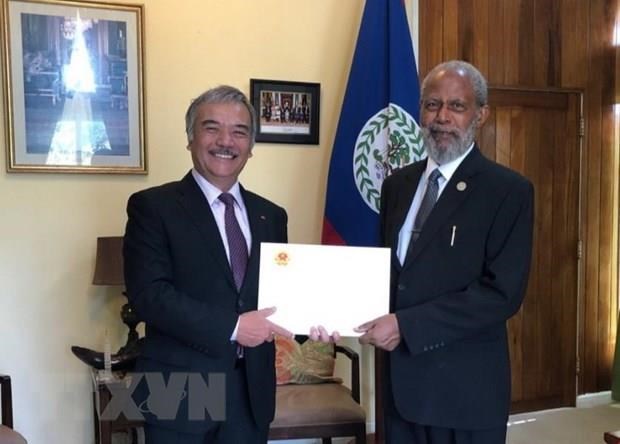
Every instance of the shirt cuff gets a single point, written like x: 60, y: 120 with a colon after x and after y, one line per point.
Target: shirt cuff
x: 233, y: 337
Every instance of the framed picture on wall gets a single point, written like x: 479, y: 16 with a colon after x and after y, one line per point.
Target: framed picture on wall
x: 288, y: 112
x: 74, y: 86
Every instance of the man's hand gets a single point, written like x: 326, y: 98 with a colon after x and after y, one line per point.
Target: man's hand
x: 320, y: 334
x: 382, y: 332
x: 255, y: 328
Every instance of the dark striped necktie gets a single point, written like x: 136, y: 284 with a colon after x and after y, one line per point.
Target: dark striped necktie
x: 428, y: 201
x: 237, y: 246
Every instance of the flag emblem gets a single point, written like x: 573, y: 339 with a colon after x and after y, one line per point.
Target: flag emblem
x: 388, y: 141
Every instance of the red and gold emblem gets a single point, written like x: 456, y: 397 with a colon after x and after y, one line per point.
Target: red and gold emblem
x: 282, y: 258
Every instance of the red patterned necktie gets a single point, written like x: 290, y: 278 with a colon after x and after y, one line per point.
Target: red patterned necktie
x: 237, y: 246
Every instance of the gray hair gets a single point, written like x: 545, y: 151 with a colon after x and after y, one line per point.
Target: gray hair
x: 219, y: 94
x: 478, y: 82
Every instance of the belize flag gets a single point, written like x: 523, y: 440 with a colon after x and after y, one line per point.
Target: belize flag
x: 377, y: 132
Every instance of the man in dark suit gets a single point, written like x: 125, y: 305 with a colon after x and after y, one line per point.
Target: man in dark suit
x: 460, y: 228
x: 191, y: 253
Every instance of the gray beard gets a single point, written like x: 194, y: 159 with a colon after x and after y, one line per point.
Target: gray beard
x: 445, y: 154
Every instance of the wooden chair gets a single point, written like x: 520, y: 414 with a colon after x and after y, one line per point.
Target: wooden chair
x: 7, y: 434
x: 321, y: 410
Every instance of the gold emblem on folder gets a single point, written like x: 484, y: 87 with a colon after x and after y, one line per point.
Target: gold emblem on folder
x: 282, y: 258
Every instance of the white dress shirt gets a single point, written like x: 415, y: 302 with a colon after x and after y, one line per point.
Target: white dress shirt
x: 447, y: 171
x: 212, y: 194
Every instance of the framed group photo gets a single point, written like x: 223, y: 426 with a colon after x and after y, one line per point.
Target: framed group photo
x: 288, y: 112
x: 74, y: 86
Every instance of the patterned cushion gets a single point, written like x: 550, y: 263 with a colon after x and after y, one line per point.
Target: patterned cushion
x: 308, y: 363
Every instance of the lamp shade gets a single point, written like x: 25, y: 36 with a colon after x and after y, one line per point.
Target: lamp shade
x: 109, y: 262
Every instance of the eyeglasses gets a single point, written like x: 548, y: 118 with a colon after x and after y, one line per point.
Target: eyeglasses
x: 455, y: 106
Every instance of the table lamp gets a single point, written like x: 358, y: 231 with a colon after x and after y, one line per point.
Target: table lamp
x: 109, y: 271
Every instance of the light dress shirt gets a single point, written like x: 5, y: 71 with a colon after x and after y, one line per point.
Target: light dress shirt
x: 212, y: 194
x: 447, y: 170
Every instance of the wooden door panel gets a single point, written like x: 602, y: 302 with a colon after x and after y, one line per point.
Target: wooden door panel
x: 554, y: 44
x: 536, y: 134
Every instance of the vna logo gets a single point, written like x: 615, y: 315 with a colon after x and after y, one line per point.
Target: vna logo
x: 390, y: 140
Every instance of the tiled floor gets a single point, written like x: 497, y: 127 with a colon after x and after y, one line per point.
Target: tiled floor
x: 584, y: 425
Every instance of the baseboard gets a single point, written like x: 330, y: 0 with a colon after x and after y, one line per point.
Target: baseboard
x: 594, y: 399
x: 370, y: 428
x: 312, y: 441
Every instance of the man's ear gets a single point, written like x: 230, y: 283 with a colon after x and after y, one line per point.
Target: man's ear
x: 483, y: 115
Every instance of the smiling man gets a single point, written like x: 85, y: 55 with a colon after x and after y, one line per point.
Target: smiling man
x: 460, y: 228
x: 191, y: 252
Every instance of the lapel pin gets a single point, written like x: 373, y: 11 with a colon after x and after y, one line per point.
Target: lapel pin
x: 263, y: 217
x: 461, y: 186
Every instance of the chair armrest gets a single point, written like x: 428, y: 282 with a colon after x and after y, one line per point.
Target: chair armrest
x: 6, y: 402
x: 355, y: 369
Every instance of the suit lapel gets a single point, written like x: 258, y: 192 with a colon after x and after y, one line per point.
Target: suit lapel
x: 457, y: 190
x: 404, y: 199
x: 194, y: 202
x: 257, y: 221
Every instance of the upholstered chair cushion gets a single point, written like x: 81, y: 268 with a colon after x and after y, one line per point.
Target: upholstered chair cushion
x: 10, y: 436
x: 317, y: 404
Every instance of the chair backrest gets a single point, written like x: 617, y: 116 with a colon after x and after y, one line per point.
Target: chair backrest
x: 7, y: 434
x: 6, y: 401
x: 316, y: 410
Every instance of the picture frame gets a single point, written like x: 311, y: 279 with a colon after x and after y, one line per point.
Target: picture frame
x: 73, y: 83
x: 287, y: 112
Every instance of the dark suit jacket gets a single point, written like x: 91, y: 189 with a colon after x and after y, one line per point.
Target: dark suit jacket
x: 179, y: 282
x: 452, y: 367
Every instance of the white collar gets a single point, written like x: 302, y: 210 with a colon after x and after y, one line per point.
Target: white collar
x: 212, y: 193
x: 447, y: 169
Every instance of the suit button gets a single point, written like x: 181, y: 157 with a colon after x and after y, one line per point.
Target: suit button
x: 401, y: 287
x: 425, y: 348
x: 240, y: 303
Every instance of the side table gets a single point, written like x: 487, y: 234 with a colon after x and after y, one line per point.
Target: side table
x: 101, y: 398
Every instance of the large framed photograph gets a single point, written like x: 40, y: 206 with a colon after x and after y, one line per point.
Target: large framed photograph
x: 74, y: 86
x: 288, y: 112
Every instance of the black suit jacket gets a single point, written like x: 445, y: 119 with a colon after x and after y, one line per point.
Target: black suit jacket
x: 452, y: 367
x: 180, y: 283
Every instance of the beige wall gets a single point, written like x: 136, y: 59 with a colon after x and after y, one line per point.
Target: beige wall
x: 49, y: 222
